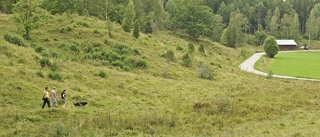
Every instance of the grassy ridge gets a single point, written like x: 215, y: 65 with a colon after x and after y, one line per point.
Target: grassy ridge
x: 144, y: 102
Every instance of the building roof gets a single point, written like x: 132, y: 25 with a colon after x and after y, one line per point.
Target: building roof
x: 286, y: 42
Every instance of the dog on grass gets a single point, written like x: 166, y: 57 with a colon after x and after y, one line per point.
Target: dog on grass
x: 78, y: 104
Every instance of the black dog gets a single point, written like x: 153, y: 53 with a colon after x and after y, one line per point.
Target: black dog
x: 78, y: 104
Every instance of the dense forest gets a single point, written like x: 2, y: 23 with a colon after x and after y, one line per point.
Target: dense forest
x: 231, y: 22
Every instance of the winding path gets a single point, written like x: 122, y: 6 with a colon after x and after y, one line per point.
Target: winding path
x: 248, y: 66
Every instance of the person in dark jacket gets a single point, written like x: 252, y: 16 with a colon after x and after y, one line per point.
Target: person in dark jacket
x: 64, y: 97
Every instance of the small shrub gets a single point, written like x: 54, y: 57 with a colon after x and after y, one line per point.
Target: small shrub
x: 126, y: 67
x: 74, y: 48
x: 63, y: 46
x: 187, y: 62
x: 89, y: 49
x: 204, y: 72
x: 223, y: 105
x: 40, y: 74
x: 105, y: 63
x: 118, y: 63
x: 179, y: 48
x: 45, y: 53
x: 46, y: 40
x: 68, y: 28
x: 14, y: 39
x: 104, y: 54
x: 54, y: 54
x: 55, y: 75
x: 121, y: 49
x: 82, y: 23
x: 102, y: 74
x: 96, y: 31
x: 113, y: 56
x: 54, y: 67
x: 136, y: 51
x: 129, y: 62
x: 137, y: 63
x: 45, y: 62
x: 170, y: 55
x: 198, y: 106
x: 191, y: 47
x: 201, y: 49
x: 39, y: 48
x: 96, y: 55
x: 141, y: 63
x: 62, y: 30
x: 88, y: 56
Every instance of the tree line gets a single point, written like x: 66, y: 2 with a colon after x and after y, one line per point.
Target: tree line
x: 231, y: 22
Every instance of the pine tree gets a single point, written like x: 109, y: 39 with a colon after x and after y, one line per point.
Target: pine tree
x: 136, y: 30
x: 128, y: 17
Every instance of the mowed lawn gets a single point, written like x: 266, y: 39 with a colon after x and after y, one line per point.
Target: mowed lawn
x: 298, y: 64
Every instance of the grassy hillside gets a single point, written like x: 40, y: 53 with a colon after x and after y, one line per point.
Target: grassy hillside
x: 164, y: 98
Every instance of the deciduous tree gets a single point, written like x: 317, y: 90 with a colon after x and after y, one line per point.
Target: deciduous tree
x: 28, y: 15
x: 313, y: 23
x: 274, y: 23
x: 194, y: 18
x: 270, y: 46
x: 237, y: 25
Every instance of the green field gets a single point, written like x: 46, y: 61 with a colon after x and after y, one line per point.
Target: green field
x: 298, y: 64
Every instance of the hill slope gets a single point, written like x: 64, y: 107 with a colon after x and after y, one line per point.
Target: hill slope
x: 164, y: 98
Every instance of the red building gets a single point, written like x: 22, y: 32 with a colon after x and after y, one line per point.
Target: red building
x: 287, y: 44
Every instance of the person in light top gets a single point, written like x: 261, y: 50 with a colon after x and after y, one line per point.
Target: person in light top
x: 53, y: 97
x: 45, y: 98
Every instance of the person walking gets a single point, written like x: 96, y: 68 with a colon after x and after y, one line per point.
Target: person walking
x: 45, y: 98
x: 64, y: 97
x: 53, y: 97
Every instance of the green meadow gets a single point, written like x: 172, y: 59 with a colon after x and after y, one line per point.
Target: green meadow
x: 297, y: 64
x: 157, y: 95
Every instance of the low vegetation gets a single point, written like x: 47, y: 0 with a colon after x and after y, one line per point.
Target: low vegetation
x: 142, y: 87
